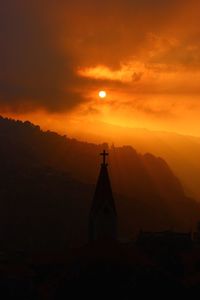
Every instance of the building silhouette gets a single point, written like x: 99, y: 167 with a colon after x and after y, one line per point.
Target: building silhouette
x: 103, y: 216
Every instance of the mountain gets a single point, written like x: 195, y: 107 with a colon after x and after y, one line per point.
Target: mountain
x: 181, y: 152
x: 47, y: 183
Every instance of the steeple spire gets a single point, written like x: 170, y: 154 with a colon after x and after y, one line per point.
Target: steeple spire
x: 103, y: 217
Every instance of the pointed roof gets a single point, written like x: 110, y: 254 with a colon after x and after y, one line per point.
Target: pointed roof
x: 103, y: 193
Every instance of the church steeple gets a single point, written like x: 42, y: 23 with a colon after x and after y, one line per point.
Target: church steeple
x: 103, y: 217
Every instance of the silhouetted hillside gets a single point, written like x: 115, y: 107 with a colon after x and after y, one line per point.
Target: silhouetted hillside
x: 47, y: 184
x: 181, y: 152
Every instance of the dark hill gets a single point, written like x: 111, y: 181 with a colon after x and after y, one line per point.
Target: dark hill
x: 47, y: 183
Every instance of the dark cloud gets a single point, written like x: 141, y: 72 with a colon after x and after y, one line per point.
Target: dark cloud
x: 44, y: 42
x: 33, y: 69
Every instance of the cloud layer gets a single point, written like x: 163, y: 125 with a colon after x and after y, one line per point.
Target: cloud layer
x: 56, y: 54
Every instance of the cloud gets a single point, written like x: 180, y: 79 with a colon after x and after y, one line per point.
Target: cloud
x: 34, y: 71
x: 55, y: 54
x: 126, y: 73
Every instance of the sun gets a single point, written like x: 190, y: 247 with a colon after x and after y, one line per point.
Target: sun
x: 102, y: 94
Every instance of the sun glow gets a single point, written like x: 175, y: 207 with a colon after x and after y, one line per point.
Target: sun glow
x: 102, y: 94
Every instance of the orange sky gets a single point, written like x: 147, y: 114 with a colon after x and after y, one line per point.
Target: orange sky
x: 56, y: 55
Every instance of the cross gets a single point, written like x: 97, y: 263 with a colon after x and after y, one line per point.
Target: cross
x: 104, y: 154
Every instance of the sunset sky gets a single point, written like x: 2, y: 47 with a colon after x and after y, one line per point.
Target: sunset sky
x: 56, y: 55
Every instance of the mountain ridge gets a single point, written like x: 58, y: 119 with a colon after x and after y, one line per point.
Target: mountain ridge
x: 180, y: 151
x: 47, y: 183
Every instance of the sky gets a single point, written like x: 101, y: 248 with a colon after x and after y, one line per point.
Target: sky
x: 56, y: 56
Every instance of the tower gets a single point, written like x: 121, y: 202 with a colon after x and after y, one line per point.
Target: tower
x: 103, y: 217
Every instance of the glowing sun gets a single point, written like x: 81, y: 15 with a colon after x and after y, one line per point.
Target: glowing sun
x: 102, y: 94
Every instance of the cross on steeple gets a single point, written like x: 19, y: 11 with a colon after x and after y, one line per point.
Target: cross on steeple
x: 104, y: 154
